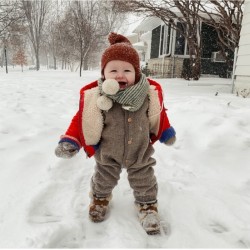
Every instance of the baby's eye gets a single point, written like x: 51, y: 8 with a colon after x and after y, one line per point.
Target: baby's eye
x: 127, y: 70
x: 113, y: 70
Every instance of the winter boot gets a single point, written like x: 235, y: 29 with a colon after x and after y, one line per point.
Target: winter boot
x: 149, y: 218
x: 98, y: 208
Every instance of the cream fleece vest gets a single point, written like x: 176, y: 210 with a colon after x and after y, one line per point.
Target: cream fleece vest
x: 92, y: 117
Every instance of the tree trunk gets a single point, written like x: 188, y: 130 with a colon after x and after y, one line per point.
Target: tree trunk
x: 195, y: 58
x: 85, y: 64
x: 62, y: 63
x: 196, y: 68
x: 47, y: 58
x: 37, y: 60
x: 54, y: 62
x: 81, y: 65
x: 6, y: 60
x: 2, y: 61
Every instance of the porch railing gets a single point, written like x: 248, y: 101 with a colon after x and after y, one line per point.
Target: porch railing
x: 175, y: 67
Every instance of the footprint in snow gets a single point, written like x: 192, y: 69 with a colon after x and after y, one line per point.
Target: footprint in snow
x: 61, y: 236
x: 218, y: 228
x: 51, y: 204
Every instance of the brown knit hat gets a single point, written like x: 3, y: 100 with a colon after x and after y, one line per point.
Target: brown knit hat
x: 121, y: 49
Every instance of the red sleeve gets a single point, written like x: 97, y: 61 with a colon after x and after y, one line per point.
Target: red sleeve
x: 73, y: 129
x: 164, y: 121
x: 165, y: 124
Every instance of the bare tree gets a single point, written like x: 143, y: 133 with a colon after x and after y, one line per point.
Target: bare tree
x: 182, y: 15
x: 226, y: 17
x: 20, y: 58
x: 35, y: 12
x: 191, y: 21
x: 9, y: 15
x: 92, y: 21
x: 67, y: 44
x: 5, y: 58
x: 53, y: 36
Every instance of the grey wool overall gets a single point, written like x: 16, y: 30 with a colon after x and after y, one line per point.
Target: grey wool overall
x: 125, y: 143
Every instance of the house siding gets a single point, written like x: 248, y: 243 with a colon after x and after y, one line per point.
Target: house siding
x: 173, y: 62
x: 242, y: 70
x: 168, y: 67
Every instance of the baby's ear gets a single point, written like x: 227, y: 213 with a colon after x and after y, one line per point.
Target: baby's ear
x: 102, y: 75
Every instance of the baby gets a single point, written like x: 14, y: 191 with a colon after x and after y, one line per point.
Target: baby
x: 120, y: 117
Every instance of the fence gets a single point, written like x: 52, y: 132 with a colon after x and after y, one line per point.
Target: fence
x: 165, y: 68
x: 174, y: 67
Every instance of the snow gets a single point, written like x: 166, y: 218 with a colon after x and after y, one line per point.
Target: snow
x: 204, y: 179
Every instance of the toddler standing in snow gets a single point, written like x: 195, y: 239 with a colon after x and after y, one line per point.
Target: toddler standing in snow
x: 120, y: 116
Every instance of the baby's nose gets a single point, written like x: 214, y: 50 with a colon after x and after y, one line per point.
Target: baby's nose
x: 119, y: 76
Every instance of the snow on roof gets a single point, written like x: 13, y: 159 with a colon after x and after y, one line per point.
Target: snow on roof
x: 147, y: 24
x: 139, y: 45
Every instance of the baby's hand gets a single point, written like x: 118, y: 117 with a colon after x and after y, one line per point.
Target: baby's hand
x: 66, y: 150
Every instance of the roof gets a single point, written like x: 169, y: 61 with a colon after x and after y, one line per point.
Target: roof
x: 148, y: 24
x: 139, y: 45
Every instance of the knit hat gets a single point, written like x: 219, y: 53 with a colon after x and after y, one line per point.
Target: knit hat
x: 121, y: 49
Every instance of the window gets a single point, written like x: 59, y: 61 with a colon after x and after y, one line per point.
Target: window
x: 181, y: 45
x: 166, y: 33
x: 155, y: 42
x: 180, y: 41
x: 161, y: 41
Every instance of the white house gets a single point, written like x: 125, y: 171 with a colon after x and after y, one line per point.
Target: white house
x: 242, y: 70
x: 166, y: 51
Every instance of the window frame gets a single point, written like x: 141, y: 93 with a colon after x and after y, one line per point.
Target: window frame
x: 166, y: 40
x: 186, y: 52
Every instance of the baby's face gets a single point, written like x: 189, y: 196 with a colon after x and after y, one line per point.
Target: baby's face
x: 122, y: 72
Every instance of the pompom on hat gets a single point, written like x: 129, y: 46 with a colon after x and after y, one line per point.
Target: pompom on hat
x: 121, y: 49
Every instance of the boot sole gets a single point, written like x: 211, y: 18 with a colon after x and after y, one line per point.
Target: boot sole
x: 153, y: 232
x: 96, y: 220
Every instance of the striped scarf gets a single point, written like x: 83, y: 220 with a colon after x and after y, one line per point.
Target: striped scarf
x: 132, y: 97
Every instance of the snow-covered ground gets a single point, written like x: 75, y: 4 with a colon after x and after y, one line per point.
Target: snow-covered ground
x: 204, y: 179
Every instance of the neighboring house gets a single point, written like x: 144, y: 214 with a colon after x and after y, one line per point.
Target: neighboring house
x: 242, y: 70
x: 139, y: 45
x: 165, y: 49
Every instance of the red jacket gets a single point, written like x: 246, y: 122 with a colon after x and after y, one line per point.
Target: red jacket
x: 75, y: 134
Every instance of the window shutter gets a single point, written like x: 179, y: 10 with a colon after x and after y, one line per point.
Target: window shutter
x: 155, y: 44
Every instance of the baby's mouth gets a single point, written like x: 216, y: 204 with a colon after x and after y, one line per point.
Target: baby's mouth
x: 123, y: 85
